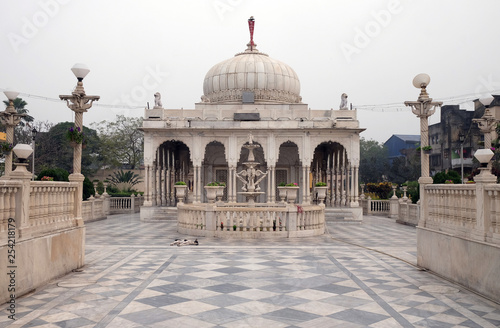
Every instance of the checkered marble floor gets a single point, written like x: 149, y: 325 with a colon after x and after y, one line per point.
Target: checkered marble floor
x: 356, y: 275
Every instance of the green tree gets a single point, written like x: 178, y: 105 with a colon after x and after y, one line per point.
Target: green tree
x: 53, y: 150
x: 20, y: 107
x: 22, y: 132
x: 405, y: 168
x: 374, y: 165
x: 441, y: 177
x: 122, y: 142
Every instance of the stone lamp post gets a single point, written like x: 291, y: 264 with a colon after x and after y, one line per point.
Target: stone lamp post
x: 423, y: 108
x: 79, y: 103
x: 10, y: 118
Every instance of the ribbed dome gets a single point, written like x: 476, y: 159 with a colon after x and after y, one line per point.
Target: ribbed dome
x: 270, y: 80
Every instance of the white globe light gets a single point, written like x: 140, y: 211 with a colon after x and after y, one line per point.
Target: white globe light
x: 483, y: 155
x: 10, y: 94
x: 22, y: 151
x: 421, y: 80
x: 80, y: 70
x: 486, y: 101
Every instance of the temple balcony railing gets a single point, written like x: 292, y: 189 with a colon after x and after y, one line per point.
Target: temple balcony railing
x: 238, y: 221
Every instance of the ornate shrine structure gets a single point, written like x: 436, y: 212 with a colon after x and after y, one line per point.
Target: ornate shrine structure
x: 251, y: 93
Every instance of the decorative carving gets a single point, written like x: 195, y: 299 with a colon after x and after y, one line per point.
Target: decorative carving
x: 259, y: 95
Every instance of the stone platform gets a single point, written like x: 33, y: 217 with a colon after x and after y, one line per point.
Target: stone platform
x: 355, y: 275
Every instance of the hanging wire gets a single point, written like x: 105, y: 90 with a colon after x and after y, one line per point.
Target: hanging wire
x: 389, y: 107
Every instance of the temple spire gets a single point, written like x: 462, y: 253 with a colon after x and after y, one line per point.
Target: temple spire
x: 251, y: 23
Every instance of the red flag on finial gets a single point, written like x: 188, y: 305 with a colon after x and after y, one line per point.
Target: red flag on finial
x: 251, y: 23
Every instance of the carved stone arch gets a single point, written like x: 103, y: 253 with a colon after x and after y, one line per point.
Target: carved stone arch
x: 175, y: 142
x: 288, y: 158
x: 261, y: 140
x: 215, y: 153
x: 298, y: 143
x: 157, y: 142
x: 344, y: 142
x: 207, y: 140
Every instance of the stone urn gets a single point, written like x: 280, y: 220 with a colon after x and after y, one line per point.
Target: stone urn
x: 291, y: 194
x: 211, y: 192
x: 321, y: 192
x: 180, y: 193
x: 220, y: 192
x: 282, y: 193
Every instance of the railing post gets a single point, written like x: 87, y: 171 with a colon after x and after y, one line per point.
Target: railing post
x: 369, y: 205
x: 132, y: 203
x: 291, y: 222
x: 394, y: 207
x: 105, y: 203
x: 210, y: 218
x: 483, y: 220
x: 22, y: 200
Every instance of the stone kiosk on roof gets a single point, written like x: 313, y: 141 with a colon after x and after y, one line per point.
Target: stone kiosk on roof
x: 251, y: 98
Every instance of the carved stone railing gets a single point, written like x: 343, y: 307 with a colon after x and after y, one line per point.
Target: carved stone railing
x: 375, y: 207
x: 492, y: 213
x: 52, y: 206
x: 130, y: 204
x: 408, y: 213
x: 9, y: 199
x: 251, y: 222
x: 452, y: 209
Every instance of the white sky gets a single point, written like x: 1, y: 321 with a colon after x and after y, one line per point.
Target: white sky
x: 135, y: 48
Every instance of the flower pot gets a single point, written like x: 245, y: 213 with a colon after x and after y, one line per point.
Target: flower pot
x: 220, y: 193
x: 211, y: 193
x: 282, y: 193
x: 291, y: 194
x: 180, y: 192
x: 321, y: 193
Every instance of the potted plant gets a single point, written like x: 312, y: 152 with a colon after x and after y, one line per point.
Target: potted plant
x: 291, y: 192
x: 320, y: 189
x: 75, y: 136
x: 427, y: 149
x: 211, y: 190
x: 180, y: 191
x: 282, y: 191
x: 220, y: 190
x: 6, y: 147
x: 234, y: 227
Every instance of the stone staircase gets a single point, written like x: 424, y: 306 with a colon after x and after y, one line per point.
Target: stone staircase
x: 164, y: 213
x: 340, y: 215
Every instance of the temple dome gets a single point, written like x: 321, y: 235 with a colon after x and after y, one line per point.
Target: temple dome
x: 270, y: 80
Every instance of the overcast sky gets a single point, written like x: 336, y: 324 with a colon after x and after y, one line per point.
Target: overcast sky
x: 369, y: 49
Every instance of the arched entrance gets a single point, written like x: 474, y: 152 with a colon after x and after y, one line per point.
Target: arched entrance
x: 332, y: 166
x: 172, y: 164
x: 215, y: 166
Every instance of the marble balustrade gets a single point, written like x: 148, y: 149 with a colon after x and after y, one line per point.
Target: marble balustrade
x: 251, y: 222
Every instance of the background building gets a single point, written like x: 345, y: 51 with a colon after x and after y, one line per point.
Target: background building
x: 455, y: 130
x: 397, y: 143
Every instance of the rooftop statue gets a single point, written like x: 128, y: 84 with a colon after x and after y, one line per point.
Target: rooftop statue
x: 158, y: 103
x: 343, y: 101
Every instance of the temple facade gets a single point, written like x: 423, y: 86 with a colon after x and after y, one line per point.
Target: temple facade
x: 251, y: 95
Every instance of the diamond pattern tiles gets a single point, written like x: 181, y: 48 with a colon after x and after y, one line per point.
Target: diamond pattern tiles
x: 134, y: 279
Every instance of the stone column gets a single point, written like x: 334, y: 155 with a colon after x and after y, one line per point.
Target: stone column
x: 483, y: 221
x: 22, y: 210
x: 79, y: 103
x: 356, y: 186
x: 147, y: 183
x: 423, y: 108
x: 10, y: 118
x: 153, y: 184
